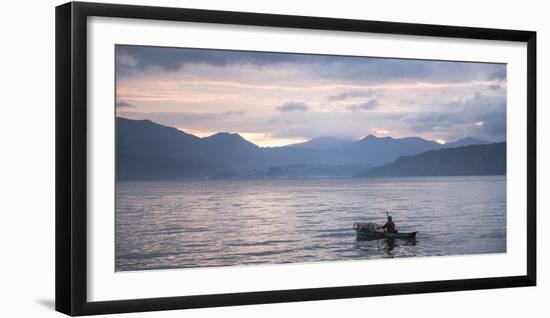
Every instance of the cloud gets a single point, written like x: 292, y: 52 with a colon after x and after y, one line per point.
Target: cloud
x: 408, y: 101
x: 292, y: 106
x: 172, y: 59
x: 457, y: 119
x: 369, y: 105
x: 234, y: 113
x: 388, y: 70
x: 126, y: 60
x: 351, y: 94
x: 280, y: 94
x: 123, y: 104
x: 133, y: 59
x: 499, y: 74
x: 433, y: 121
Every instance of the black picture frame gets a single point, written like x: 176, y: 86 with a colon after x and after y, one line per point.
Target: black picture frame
x: 71, y: 157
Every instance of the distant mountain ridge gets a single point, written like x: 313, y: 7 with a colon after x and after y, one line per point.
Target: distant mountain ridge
x: 146, y: 150
x: 322, y: 143
x: 468, y: 141
x: 487, y: 159
x: 380, y: 150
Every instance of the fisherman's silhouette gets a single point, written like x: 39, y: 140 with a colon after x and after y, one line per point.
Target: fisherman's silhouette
x: 389, y: 226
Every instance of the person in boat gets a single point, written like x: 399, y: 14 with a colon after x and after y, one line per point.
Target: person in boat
x: 389, y: 226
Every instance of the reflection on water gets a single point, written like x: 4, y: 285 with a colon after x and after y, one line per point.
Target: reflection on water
x: 217, y: 223
x: 385, y: 247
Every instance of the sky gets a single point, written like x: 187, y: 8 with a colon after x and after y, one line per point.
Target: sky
x: 275, y: 99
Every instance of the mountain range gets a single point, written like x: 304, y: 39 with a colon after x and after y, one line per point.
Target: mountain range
x: 332, y: 142
x: 488, y: 159
x: 147, y: 150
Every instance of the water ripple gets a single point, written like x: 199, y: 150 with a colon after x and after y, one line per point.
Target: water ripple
x: 223, y: 223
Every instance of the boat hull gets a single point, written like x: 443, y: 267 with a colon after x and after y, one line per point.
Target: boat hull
x: 384, y: 235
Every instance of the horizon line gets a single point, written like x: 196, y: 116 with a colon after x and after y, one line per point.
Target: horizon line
x: 308, y: 140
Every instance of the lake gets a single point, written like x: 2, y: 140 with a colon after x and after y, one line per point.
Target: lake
x: 181, y: 224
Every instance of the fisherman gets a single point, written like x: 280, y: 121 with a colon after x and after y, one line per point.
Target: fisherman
x: 389, y: 226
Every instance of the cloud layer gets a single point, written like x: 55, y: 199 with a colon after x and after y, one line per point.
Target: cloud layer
x: 281, y: 98
x: 292, y: 106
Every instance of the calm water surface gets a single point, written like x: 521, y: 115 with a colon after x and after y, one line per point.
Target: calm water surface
x: 177, y: 224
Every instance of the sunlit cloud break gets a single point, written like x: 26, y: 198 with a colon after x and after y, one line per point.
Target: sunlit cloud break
x: 281, y: 98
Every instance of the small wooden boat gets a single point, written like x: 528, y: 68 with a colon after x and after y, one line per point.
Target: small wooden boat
x: 382, y: 235
x: 368, y: 231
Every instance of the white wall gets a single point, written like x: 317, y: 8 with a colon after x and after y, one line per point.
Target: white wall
x: 27, y: 157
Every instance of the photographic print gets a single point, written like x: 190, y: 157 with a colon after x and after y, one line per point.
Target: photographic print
x: 234, y: 158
